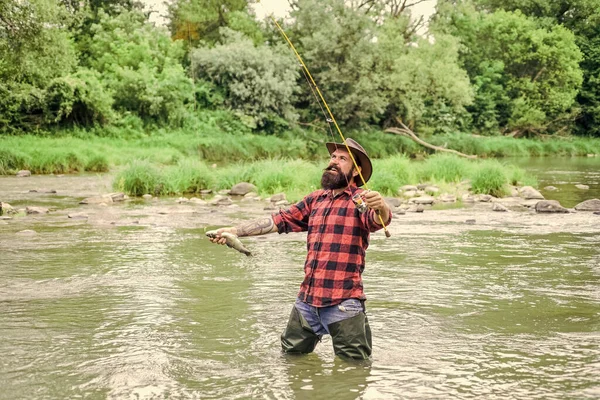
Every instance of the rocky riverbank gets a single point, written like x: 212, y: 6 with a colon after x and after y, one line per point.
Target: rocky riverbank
x: 36, y: 201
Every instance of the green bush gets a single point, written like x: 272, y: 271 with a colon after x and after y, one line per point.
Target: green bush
x: 11, y: 161
x: 97, y: 163
x: 139, y: 178
x: 189, y: 176
x: 444, y: 167
x: 391, y: 173
x: 489, y: 177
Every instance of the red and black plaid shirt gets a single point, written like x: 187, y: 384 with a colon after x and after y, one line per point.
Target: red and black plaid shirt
x: 338, y: 236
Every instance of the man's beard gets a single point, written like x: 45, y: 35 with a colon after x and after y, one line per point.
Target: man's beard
x: 335, y: 179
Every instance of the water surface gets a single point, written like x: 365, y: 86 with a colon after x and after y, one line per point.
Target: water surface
x: 134, y: 302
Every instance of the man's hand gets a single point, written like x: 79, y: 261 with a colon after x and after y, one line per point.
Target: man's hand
x: 255, y: 227
x: 375, y: 201
x: 222, y: 240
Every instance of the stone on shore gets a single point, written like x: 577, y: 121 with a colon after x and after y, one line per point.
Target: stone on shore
x: 23, y: 173
x: 408, y: 188
x: 116, y: 197
x: 550, y: 206
x: 588, y: 205
x: 499, y: 207
x: 468, y: 198
x: 278, y: 197
x: 105, y: 198
x: 447, y: 198
x: 392, y: 202
x: 78, y: 216
x: 582, y: 187
x: 422, y: 200
x: 242, y: 188
x: 220, y: 201
x: 529, y: 193
x: 7, y: 209
x: 36, y: 210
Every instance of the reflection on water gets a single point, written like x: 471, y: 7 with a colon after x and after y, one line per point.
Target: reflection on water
x: 505, y: 308
x: 564, y: 173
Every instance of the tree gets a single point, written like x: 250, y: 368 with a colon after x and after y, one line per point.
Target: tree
x: 34, y: 46
x: 34, y: 49
x: 583, y: 18
x: 424, y: 84
x: 255, y: 81
x: 141, y: 66
x: 337, y: 44
x: 200, y: 20
x: 536, y: 67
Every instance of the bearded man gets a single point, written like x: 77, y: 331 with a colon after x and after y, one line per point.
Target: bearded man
x: 331, y: 298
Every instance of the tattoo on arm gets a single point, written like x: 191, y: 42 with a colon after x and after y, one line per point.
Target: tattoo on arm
x: 257, y: 227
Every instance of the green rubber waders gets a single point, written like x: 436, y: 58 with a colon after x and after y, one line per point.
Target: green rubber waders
x: 298, y: 336
x: 352, y: 337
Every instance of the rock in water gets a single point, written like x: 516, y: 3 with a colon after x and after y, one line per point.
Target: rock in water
x: 529, y: 193
x: 499, y: 207
x: 36, y: 210
x: 588, y: 205
x: 550, y: 206
x: 242, y: 188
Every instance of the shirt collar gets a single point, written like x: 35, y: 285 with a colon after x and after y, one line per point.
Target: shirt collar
x: 348, y: 191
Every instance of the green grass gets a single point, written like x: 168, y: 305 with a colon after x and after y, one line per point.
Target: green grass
x: 297, y: 178
x: 100, y: 150
x: 489, y: 177
x: 390, y: 174
x: 444, y: 167
x: 139, y: 178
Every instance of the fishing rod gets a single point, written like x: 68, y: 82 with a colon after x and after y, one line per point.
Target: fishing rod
x: 315, y: 88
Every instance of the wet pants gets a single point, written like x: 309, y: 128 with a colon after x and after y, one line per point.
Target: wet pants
x: 346, y: 322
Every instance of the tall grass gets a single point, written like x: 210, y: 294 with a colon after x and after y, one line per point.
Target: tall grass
x: 502, y: 146
x: 189, y: 176
x: 390, y: 174
x: 139, y: 178
x: 444, y: 167
x: 489, y: 178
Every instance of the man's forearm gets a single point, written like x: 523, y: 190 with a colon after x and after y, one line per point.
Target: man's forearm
x: 255, y: 227
x: 385, y: 216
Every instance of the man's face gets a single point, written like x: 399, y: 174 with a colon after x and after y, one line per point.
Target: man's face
x: 340, y: 172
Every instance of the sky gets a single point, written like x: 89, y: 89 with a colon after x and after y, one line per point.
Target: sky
x: 278, y: 7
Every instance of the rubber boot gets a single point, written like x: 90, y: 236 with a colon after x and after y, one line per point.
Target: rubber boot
x: 352, y: 337
x: 298, y: 336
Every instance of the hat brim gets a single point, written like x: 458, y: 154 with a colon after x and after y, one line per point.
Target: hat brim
x: 366, y: 168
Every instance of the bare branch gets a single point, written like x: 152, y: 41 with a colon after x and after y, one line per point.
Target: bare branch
x: 406, y: 131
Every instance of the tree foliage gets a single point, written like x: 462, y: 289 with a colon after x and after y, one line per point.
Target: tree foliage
x: 582, y: 17
x: 200, y: 20
x: 337, y: 43
x: 258, y: 82
x: 536, y: 68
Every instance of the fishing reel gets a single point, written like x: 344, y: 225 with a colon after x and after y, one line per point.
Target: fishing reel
x: 359, y: 202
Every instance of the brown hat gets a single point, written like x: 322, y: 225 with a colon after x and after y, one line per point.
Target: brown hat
x: 360, y: 155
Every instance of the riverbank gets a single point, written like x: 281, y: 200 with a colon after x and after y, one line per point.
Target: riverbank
x: 130, y: 298
x: 79, y: 151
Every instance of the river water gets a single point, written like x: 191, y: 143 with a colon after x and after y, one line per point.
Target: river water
x: 134, y: 302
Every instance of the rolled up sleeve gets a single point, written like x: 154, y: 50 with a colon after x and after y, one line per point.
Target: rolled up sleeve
x: 295, y: 218
x: 373, y: 222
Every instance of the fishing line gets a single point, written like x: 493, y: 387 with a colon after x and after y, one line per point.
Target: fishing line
x: 324, y: 114
x: 314, y: 85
